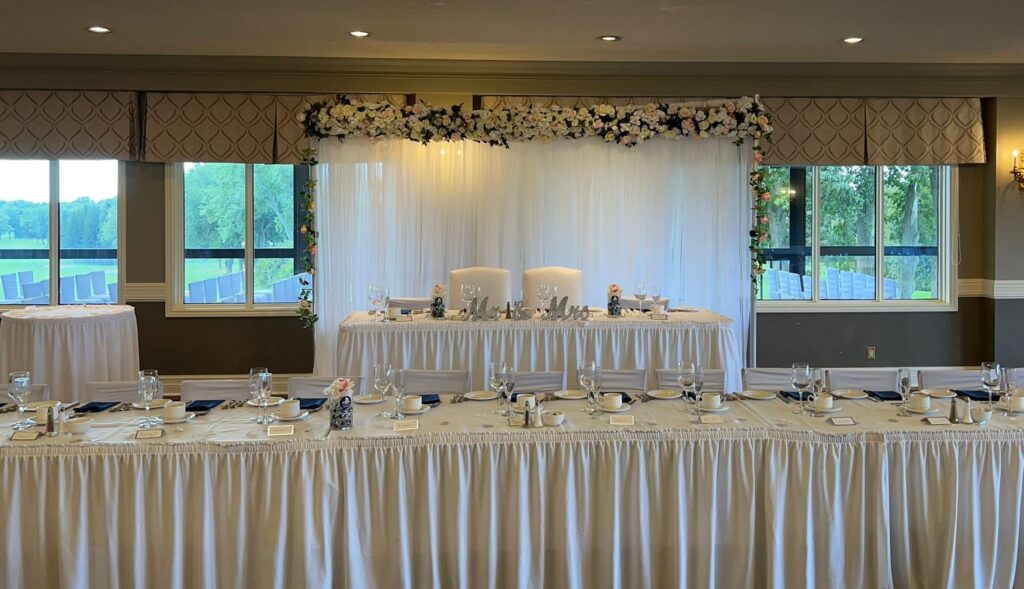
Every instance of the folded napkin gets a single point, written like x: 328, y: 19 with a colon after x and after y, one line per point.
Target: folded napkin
x: 203, y: 405
x: 311, y: 404
x: 795, y: 395
x: 885, y: 395
x: 977, y: 395
x: 95, y: 406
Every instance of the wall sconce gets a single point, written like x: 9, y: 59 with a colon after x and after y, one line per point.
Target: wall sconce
x: 1017, y: 171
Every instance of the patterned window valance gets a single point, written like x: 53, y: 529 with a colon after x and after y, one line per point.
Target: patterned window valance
x: 925, y: 131
x: 45, y: 124
x: 291, y: 138
x: 816, y: 131
x: 183, y: 127
x: 486, y: 101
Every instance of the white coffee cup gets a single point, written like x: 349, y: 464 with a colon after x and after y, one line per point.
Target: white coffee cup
x: 524, y: 401
x: 612, y: 401
x: 553, y: 418
x: 289, y: 408
x: 711, y: 401
x: 412, y: 403
x: 174, y: 411
x: 1015, y: 402
x: 823, y: 402
x: 981, y: 413
x: 920, y: 402
x: 394, y: 312
x: 79, y: 425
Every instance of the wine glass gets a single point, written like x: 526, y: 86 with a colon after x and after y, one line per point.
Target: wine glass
x: 19, y: 389
x: 149, y: 385
x: 508, y: 381
x: 467, y: 292
x: 265, y: 384
x: 991, y: 376
x: 800, y: 376
x: 399, y: 390
x: 595, y: 384
x: 817, y: 382
x: 903, y: 382
x: 687, y: 377
x: 497, y: 385
x: 585, y: 375
x: 640, y: 292
x: 377, y: 294
x: 254, y: 382
x: 382, y: 375
x: 1009, y: 388
x: 655, y: 291
x: 544, y: 295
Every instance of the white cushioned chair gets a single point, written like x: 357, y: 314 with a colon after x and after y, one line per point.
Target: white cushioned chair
x: 668, y: 378
x: 769, y: 379
x: 234, y: 389
x: 568, y: 280
x: 414, y: 303
x: 624, y: 379
x: 960, y: 379
x: 313, y: 386
x: 493, y: 283
x: 434, y: 381
x: 121, y: 390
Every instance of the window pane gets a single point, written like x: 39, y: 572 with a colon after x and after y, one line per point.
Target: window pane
x: 88, y: 231
x: 911, y: 232
x: 214, y: 233
x: 25, y: 231
x: 790, y: 227
x: 847, y: 201
x: 276, y: 273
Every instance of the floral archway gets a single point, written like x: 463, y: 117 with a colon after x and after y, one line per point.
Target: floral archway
x: 739, y: 119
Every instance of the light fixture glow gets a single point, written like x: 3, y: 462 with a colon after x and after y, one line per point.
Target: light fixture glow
x: 609, y: 38
x: 99, y: 30
x: 359, y: 34
x: 852, y: 40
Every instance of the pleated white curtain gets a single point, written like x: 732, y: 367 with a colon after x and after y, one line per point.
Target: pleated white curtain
x: 674, y: 213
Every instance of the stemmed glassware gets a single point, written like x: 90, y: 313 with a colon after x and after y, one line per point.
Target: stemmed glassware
x: 497, y: 385
x: 1009, y: 387
x: 589, y: 374
x: 378, y: 296
x: 655, y: 291
x: 265, y: 384
x: 991, y: 377
x: 687, y: 379
x: 544, y: 295
x: 508, y: 383
x: 800, y: 377
x: 817, y: 382
x: 19, y: 388
x: 254, y: 382
x: 640, y: 292
x: 467, y: 292
x: 149, y: 386
x: 904, y: 380
x: 382, y: 375
x: 399, y: 390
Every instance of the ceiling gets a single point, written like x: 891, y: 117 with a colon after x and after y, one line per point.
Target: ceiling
x: 904, y: 31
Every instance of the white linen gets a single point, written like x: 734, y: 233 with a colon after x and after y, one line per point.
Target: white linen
x: 633, y: 341
x: 403, y: 215
x: 68, y: 346
x: 766, y: 499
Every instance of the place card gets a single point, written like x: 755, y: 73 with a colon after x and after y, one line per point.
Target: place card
x: 149, y: 434
x: 938, y: 421
x: 280, y: 430
x: 621, y: 420
x: 25, y: 436
x: 404, y: 425
x: 842, y: 421
x: 402, y: 318
x: 658, y: 316
x: 711, y: 419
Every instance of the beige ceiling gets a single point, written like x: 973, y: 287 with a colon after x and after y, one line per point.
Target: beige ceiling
x: 909, y: 31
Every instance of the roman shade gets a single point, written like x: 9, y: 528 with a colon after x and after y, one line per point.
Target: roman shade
x: 816, y: 131
x: 185, y: 127
x: 53, y: 124
x: 290, y: 137
x: 924, y: 131
x: 487, y: 101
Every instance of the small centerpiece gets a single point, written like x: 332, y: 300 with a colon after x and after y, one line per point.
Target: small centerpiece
x: 614, y: 300
x: 340, y: 394
x: 437, y: 302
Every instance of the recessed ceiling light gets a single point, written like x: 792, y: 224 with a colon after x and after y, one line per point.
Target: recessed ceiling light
x: 609, y: 38
x: 852, y: 40
x: 98, y: 30
x: 359, y: 34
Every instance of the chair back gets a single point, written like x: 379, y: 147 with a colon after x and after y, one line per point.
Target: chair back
x: 956, y: 378
x: 313, y: 386
x: 569, y: 282
x: 236, y: 389
x: 668, y: 378
x: 126, y: 390
x: 493, y: 283
x: 770, y: 379
x: 540, y: 382
x: 852, y: 378
x: 623, y: 379
x: 634, y: 303
x: 434, y: 381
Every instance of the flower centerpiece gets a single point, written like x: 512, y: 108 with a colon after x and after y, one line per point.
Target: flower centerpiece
x: 614, y: 300
x: 340, y: 394
x: 341, y: 387
x: 437, y: 301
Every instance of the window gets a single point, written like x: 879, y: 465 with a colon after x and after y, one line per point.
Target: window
x: 233, y: 246
x: 859, y: 237
x: 78, y: 201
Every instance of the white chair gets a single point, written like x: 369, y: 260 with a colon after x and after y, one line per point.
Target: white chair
x: 634, y: 303
x: 40, y: 392
x: 852, y: 378
x: 957, y: 378
x: 434, y: 381
x: 313, y: 386
x: 414, y: 303
x: 770, y: 379
x: 569, y: 282
x: 623, y: 379
x: 668, y: 378
x: 493, y: 283
x: 126, y: 390
x: 539, y: 382
x: 235, y: 389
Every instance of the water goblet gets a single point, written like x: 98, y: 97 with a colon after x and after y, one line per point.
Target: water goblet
x: 686, y: 377
x: 544, y: 295
x: 254, y: 382
x: 19, y: 389
x: 266, y: 384
x: 991, y: 376
x: 466, y: 293
x: 640, y: 292
x: 508, y: 382
x: 800, y: 377
x: 382, y: 376
x: 904, y: 380
x: 596, y: 378
x: 497, y: 385
x: 149, y: 386
x: 655, y: 291
x: 585, y: 376
x: 399, y: 390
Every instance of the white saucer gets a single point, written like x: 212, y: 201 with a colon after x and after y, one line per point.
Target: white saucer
x: 154, y: 404
x: 834, y: 409
x: 939, y: 393
x: 272, y: 402
x: 420, y: 411
x: 367, y: 399
x: 301, y: 415
x: 850, y: 394
x: 571, y: 395
x: 482, y: 396
x: 664, y: 394
x: 923, y: 411
x: 188, y: 417
x: 718, y: 409
x: 624, y: 407
x: 759, y: 395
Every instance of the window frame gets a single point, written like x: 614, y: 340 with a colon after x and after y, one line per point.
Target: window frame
x: 946, y: 266
x: 174, y: 180
x: 54, y: 237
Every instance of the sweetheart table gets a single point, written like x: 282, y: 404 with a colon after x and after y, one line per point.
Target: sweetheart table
x: 767, y: 498
x: 632, y: 341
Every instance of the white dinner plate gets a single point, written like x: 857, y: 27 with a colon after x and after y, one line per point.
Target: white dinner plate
x: 664, y: 394
x: 188, y: 417
x: 301, y: 415
x: 850, y: 394
x: 834, y: 409
x: 482, y: 396
x: 759, y: 395
x: 272, y: 402
x: 419, y: 411
x: 719, y: 409
x: 154, y: 404
x: 367, y: 399
x: 939, y: 393
x: 624, y: 407
x: 571, y: 395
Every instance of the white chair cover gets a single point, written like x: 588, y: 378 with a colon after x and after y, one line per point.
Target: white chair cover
x: 539, y: 382
x: 236, y: 389
x: 568, y: 280
x: 771, y: 379
x: 313, y: 386
x: 634, y: 303
x: 493, y: 283
x: 120, y: 390
x: 40, y: 392
x: 624, y: 379
x: 668, y: 378
x: 960, y: 379
x: 434, y: 381
x: 414, y: 303
x: 852, y: 378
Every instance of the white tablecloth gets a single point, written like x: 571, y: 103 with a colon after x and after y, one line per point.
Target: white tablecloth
x: 68, y: 346
x: 633, y: 341
x: 766, y: 499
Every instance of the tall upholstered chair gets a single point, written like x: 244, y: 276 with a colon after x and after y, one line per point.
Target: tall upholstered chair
x: 126, y: 390
x: 853, y: 378
x: 568, y: 280
x: 493, y: 283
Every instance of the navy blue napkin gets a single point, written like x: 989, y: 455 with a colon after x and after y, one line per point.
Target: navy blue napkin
x: 311, y: 404
x: 203, y: 405
x: 795, y: 395
x: 885, y: 395
x: 977, y: 395
x: 95, y: 406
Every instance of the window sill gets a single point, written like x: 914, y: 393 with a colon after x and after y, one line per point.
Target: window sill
x: 856, y: 306
x: 230, y: 311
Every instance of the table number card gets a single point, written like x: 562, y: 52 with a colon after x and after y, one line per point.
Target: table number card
x: 25, y: 436
x: 938, y: 421
x: 710, y: 419
x: 149, y: 434
x: 842, y: 421
x: 405, y: 425
x: 280, y: 430
x: 621, y: 420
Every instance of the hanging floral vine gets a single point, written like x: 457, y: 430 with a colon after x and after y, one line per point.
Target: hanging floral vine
x: 308, y: 229
x: 740, y: 119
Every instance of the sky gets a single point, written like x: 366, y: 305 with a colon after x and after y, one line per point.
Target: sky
x: 30, y: 179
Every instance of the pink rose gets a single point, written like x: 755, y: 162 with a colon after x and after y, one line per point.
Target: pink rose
x: 766, y: 196
x: 758, y: 157
x: 313, y: 249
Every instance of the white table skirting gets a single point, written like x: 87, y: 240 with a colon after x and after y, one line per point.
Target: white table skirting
x: 69, y: 346
x: 767, y: 499
x: 630, y: 342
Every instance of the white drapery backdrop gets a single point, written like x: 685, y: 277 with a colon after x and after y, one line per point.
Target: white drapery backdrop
x: 401, y: 214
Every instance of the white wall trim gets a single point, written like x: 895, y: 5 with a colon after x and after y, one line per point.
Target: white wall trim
x: 144, y: 292
x: 992, y: 289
